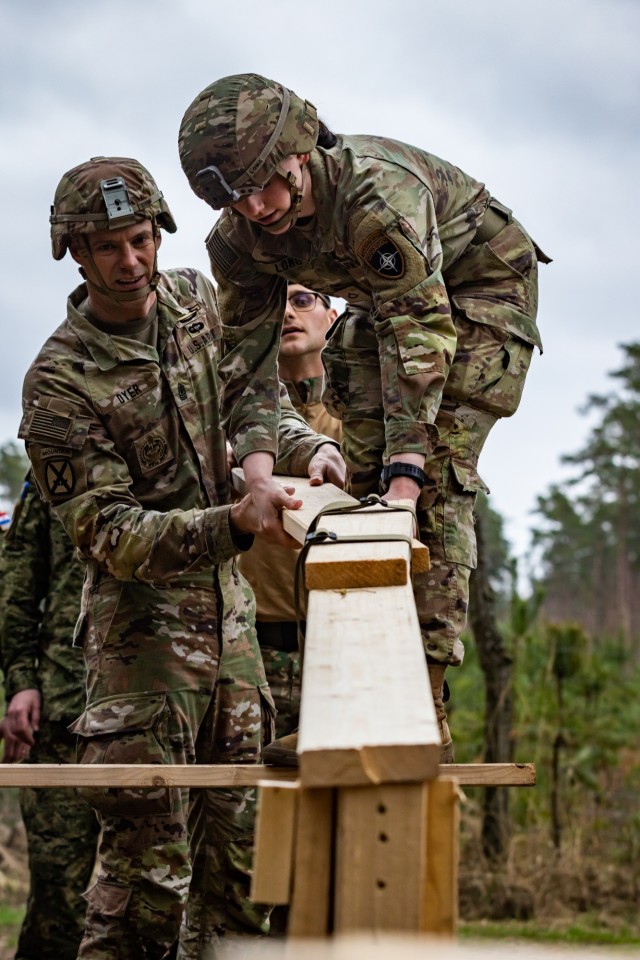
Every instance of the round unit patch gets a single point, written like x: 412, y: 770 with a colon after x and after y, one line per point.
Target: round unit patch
x: 153, y: 451
x: 382, y: 255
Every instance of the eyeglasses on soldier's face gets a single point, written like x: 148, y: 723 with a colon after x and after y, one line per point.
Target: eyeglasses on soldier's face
x: 303, y: 301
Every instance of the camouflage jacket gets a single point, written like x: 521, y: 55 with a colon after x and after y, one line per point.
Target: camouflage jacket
x: 391, y: 222
x: 126, y: 443
x: 41, y: 587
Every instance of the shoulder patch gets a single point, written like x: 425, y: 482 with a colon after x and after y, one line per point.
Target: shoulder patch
x: 223, y: 256
x: 382, y: 255
x: 49, y: 426
x: 59, y: 477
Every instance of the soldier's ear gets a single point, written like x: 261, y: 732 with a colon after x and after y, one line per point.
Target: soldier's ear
x: 77, y: 251
x: 303, y: 158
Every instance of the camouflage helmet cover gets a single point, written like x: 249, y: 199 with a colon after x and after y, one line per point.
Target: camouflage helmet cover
x: 105, y: 193
x: 236, y: 133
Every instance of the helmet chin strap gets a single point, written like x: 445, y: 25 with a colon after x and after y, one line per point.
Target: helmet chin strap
x: 297, y: 194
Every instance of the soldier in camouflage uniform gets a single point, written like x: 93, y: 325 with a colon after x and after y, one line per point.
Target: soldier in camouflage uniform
x: 435, y: 343
x: 44, y: 686
x: 121, y: 424
x: 270, y: 570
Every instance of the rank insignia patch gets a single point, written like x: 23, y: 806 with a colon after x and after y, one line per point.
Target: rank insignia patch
x: 59, y: 477
x: 382, y: 255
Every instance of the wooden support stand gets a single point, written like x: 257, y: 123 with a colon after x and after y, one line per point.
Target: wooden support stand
x: 373, y: 838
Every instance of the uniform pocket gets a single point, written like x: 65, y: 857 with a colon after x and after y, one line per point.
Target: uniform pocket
x: 459, y: 533
x: 126, y: 730
x: 245, y: 722
x: 108, y: 899
x: 335, y: 396
x: 489, y: 369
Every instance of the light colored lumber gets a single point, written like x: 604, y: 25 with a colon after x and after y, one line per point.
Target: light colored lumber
x: 315, y: 498
x: 380, y: 858
x: 226, y: 775
x: 310, y: 911
x: 342, y: 565
x: 139, y: 775
x: 491, y: 774
x: 440, y: 891
x: 274, y: 838
x: 367, y: 713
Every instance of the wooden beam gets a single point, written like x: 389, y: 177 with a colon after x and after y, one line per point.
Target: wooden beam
x: 225, y: 775
x: 367, y: 713
x: 310, y: 912
x: 380, y: 858
x: 356, y: 565
x: 274, y: 839
x: 140, y: 775
x: 336, y: 565
x: 440, y: 890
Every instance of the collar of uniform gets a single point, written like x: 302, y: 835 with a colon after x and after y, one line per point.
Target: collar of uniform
x: 170, y: 312
x: 324, y: 191
x: 106, y: 350
x: 313, y: 391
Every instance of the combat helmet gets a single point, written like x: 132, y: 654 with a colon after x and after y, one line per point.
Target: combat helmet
x: 105, y: 193
x: 238, y: 131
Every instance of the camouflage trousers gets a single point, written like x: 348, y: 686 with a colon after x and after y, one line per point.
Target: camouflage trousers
x: 493, y: 297
x: 174, y: 676
x: 282, y: 668
x: 62, y: 833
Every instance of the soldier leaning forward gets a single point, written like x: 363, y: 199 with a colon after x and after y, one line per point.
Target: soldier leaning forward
x: 120, y: 418
x: 436, y: 341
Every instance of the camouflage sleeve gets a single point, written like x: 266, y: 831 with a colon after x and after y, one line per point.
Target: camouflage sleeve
x: 251, y: 308
x: 297, y: 441
x: 25, y: 584
x: 89, y: 487
x: 394, y: 238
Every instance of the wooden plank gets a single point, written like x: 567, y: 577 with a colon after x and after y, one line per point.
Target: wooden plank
x: 273, y: 849
x: 367, y: 713
x: 339, y: 565
x: 491, y: 774
x: 297, y: 522
x: 140, y: 775
x: 226, y: 775
x: 440, y: 908
x: 310, y: 911
x: 380, y: 858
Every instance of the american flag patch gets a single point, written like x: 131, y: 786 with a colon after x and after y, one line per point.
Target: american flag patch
x: 46, y: 425
x: 222, y: 253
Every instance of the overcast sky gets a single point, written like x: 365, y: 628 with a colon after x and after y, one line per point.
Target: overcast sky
x: 538, y: 100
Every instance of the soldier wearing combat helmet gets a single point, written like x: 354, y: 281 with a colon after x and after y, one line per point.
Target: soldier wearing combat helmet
x: 121, y: 423
x: 434, y: 345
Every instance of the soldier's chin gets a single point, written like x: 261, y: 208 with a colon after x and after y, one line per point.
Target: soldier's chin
x: 281, y: 225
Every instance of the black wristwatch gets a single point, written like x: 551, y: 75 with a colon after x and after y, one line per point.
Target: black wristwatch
x: 400, y: 469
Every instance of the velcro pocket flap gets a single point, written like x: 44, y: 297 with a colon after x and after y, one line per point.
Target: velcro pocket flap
x: 468, y: 478
x: 122, y: 714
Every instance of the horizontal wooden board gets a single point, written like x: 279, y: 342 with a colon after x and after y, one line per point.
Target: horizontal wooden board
x: 225, y: 775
